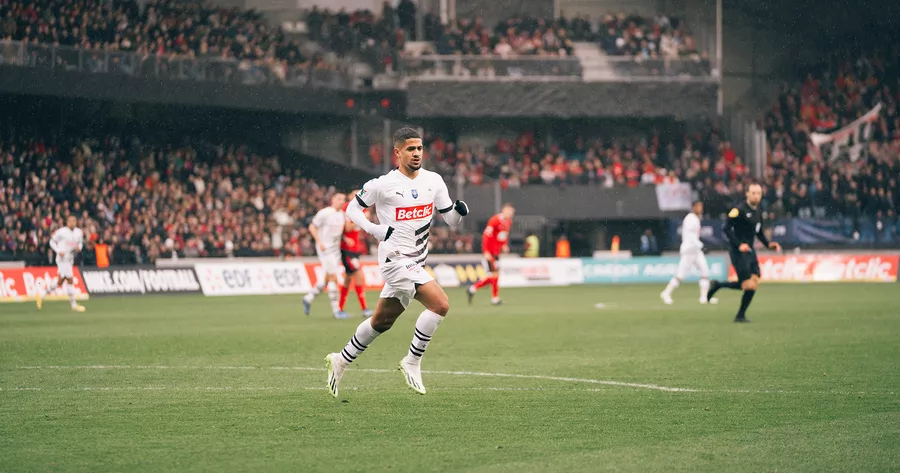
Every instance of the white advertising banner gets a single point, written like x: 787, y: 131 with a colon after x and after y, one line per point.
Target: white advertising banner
x: 238, y: 279
x: 524, y: 272
x: 673, y: 197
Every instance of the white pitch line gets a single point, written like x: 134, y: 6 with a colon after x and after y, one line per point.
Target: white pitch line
x: 604, y: 382
x: 265, y: 388
x: 622, y: 384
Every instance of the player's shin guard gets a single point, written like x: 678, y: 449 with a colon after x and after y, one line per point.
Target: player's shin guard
x: 333, y: 297
x: 426, y: 325
x: 345, y: 289
x: 495, y: 287
x: 358, y: 343
x: 361, y: 295
x: 745, y: 303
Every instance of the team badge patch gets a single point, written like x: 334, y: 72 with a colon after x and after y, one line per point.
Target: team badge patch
x: 361, y: 193
x: 415, y: 193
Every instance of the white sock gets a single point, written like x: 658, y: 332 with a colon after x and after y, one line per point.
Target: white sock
x: 704, y: 288
x: 426, y: 325
x: 333, y: 296
x: 70, y: 290
x: 50, y: 288
x: 315, y: 291
x: 673, y: 284
x: 358, y: 343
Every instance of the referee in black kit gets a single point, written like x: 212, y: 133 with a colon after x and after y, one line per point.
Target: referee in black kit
x: 745, y: 223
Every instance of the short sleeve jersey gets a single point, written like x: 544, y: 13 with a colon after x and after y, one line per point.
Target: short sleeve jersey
x: 330, y: 225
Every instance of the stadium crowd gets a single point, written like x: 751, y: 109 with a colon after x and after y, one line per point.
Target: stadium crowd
x: 160, y: 200
x: 803, y: 179
x: 161, y: 31
x: 800, y: 187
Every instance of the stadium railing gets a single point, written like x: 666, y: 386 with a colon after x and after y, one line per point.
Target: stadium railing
x: 413, y: 67
x: 549, y: 68
x: 632, y: 68
x: 482, y: 67
x: 168, y: 66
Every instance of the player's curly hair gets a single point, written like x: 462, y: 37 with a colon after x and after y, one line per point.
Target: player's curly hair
x: 405, y: 133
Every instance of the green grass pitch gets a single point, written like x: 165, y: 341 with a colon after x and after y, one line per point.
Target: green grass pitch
x: 194, y: 384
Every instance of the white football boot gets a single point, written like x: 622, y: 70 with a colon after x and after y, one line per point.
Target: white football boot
x: 666, y: 298
x: 412, y: 374
x: 336, y: 368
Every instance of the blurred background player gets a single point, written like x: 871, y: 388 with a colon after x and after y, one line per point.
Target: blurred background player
x: 327, y: 228
x: 405, y: 201
x: 65, y: 243
x: 351, y: 247
x: 744, y: 225
x: 494, y: 241
x: 691, y: 256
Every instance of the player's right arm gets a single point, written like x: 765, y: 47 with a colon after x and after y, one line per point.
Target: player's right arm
x: 313, y: 228
x: 54, y: 243
x: 367, y: 197
x: 733, y: 217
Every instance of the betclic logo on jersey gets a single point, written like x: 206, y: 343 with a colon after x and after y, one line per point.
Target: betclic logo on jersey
x: 414, y: 213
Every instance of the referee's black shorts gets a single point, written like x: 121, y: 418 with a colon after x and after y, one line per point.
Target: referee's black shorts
x: 350, y: 260
x: 745, y: 264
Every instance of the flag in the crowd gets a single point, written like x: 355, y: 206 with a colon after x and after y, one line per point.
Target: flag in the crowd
x: 860, y: 130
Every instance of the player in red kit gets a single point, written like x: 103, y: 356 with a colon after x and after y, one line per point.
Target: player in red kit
x: 494, y: 241
x: 352, y: 246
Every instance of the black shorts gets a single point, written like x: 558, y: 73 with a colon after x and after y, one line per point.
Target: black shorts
x: 350, y: 261
x: 745, y: 264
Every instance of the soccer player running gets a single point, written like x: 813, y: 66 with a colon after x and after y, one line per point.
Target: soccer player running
x: 351, y: 248
x: 65, y: 242
x: 745, y: 223
x: 327, y: 228
x: 405, y: 200
x: 691, y: 256
x: 494, y: 240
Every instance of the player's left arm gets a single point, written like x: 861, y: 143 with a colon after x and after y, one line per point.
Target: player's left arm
x: 452, y: 212
x: 760, y: 234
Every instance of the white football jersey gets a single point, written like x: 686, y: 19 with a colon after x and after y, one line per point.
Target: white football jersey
x: 407, y: 205
x: 690, y: 234
x: 67, y: 242
x: 330, y: 225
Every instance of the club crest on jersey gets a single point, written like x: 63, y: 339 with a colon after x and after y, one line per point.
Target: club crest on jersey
x: 415, y: 193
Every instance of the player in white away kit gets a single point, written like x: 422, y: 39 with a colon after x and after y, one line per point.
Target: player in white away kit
x: 405, y: 201
x: 327, y: 228
x: 691, y: 256
x: 65, y: 242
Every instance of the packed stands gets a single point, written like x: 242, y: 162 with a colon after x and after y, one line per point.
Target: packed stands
x: 168, y: 38
x: 648, y: 38
x: 150, y: 200
x: 862, y: 181
x: 792, y: 187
